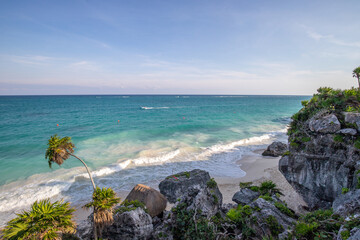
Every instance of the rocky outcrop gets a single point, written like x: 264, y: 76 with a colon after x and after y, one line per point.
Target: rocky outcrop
x: 272, y: 217
x: 347, y: 204
x: 178, y: 185
x: 275, y: 149
x: 325, y: 124
x: 322, y: 159
x: 245, y: 196
x: 135, y: 224
x: 352, y: 118
x: 154, y: 201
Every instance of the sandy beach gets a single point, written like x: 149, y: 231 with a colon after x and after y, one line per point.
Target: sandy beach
x: 259, y: 168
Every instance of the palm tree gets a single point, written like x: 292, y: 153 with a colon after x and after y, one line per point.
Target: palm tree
x: 45, y: 220
x: 103, y: 202
x: 356, y: 73
x: 61, y: 149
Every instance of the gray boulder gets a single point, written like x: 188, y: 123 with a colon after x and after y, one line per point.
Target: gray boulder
x: 154, y: 201
x: 177, y: 185
x: 325, y: 124
x: 269, y: 211
x: 352, y: 118
x: 347, y: 204
x: 348, y: 131
x: 275, y: 149
x: 245, y: 196
x: 135, y: 224
x: 354, y: 234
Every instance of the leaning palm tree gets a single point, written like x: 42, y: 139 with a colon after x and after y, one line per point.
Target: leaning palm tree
x: 356, y: 74
x: 45, y: 220
x: 103, y: 202
x: 61, y: 149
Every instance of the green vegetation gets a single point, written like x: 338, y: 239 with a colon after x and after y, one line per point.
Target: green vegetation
x: 45, y: 220
x: 344, y: 190
x: 211, y: 183
x: 284, y: 209
x: 103, y: 202
x: 356, y: 74
x: 320, y: 224
x: 338, y: 138
x: 191, y: 225
x: 326, y: 99
x: 267, y: 198
x: 183, y: 174
x: 357, y: 144
x: 269, y: 188
x: 241, y: 216
x: 127, y: 206
x: 245, y: 184
x: 287, y: 153
x: 274, y: 225
x: 358, y: 179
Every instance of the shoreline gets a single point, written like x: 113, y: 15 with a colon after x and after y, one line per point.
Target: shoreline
x: 258, y: 168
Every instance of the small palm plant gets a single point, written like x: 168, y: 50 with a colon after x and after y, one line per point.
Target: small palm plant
x: 356, y: 74
x: 269, y: 188
x: 61, y: 149
x: 45, y: 220
x: 103, y: 202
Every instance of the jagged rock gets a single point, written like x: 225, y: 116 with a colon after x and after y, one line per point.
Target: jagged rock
x: 135, y: 224
x: 177, y: 185
x: 348, y: 131
x: 162, y: 229
x: 208, y: 200
x: 245, y: 196
x: 154, y: 201
x: 354, y: 234
x: 275, y: 149
x: 325, y: 124
x: 347, y: 204
x: 352, y: 118
x: 84, y: 229
x: 267, y: 209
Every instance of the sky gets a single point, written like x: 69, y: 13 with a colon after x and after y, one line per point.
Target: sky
x: 177, y: 47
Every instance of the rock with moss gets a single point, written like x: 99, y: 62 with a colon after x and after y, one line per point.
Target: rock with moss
x: 177, y: 185
x: 275, y: 149
x: 352, y: 118
x: 134, y: 224
x: 325, y: 124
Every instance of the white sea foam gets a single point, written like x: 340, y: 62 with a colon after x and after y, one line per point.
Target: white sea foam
x: 149, y: 108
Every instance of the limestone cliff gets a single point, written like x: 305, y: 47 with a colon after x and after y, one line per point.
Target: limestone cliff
x: 324, y: 141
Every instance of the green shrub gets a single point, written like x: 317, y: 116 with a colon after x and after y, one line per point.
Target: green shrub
x: 267, y: 198
x: 344, y: 190
x: 127, y: 206
x: 45, y: 220
x: 211, y: 183
x: 319, y: 224
x: 241, y: 216
x: 338, y: 138
x: 245, y: 184
x: 269, y: 188
x: 305, y: 139
x: 357, y: 144
x: 284, y: 209
x: 254, y: 188
x: 274, y: 225
x: 287, y: 153
x: 345, y: 234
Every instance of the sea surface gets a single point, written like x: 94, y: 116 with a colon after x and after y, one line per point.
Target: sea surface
x: 127, y: 140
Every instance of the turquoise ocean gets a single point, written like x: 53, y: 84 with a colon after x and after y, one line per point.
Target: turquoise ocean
x: 127, y: 140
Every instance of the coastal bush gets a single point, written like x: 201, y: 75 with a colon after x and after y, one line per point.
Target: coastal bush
x: 338, y: 138
x: 287, y: 153
x: 269, y: 188
x: 129, y: 206
x: 189, y: 224
x: 320, y: 224
x: 241, y: 216
x: 326, y: 99
x: 357, y: 144
x: 274, y: 226
x: 344, y: 190
x: 284, y: 209
x: 103, y: 201
x: 245, y: 184
x: 267, y: 198
x: 45, y: 220
x: 183, y: 174
x: 211, y: 183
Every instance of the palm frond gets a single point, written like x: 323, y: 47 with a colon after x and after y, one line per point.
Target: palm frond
x: 59, y: 149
